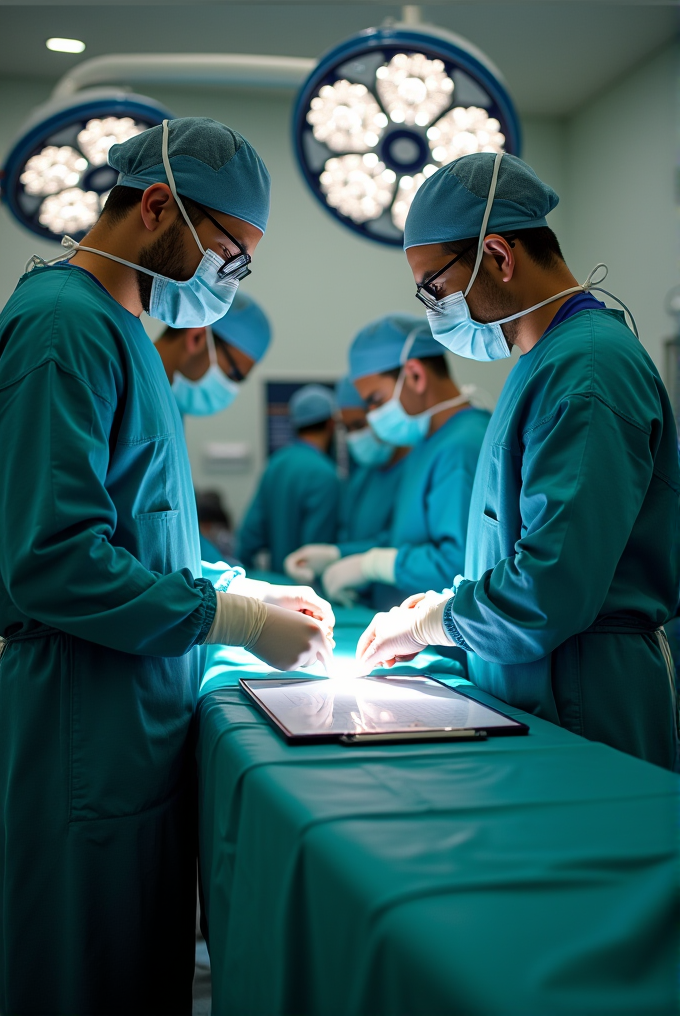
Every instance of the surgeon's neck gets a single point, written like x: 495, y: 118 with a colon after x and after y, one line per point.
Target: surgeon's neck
x: 535, y: 286
x: 118, y: 280
x: 441, y: 389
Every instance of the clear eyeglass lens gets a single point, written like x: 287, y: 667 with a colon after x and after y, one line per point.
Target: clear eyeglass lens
x: 236, y: 268
x: 428, y: 300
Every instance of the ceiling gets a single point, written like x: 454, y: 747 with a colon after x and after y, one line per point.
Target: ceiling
x: 554, y: 54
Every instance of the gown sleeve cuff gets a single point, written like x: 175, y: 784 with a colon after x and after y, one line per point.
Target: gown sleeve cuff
x: 208, y: 608
x: 451, y: 628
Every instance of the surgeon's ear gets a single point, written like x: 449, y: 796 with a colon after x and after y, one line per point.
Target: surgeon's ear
x: 503, y: 254
x: 415, y: 376
x: 195, y: 341
x: 157, y: 204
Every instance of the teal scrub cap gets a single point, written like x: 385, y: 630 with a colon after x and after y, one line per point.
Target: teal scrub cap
x: 450, y: 205
x: 311, y: 404
x: 246, y: 326
x: 211, y: 164
x: 378, y: 346
x: 347, y: 395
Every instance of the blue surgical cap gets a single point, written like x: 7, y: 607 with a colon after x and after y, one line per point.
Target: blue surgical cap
x: 211, y: 164
x: 311, y: 404
x: 246, y: 326
x: 347, y: 395
x: 378, y: 346
x: 450, y: 204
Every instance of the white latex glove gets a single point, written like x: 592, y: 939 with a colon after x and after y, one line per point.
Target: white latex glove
x: 341, y: 580
x: 284, y: 639
x: 307, y: 562
x: 300, y: 598
x: 290, y: 640
x: 404, y: 632
x: 350, y: 573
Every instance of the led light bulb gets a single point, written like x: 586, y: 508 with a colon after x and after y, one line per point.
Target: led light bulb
x: 98, y: 136
x: 65, y: 45
x: 346, y: 116
x: 408, y: 185
x: 70, y: 211
x: 360, y: 187
x: 414, y: 89
x: 464, y: 131
x: 53, y: 169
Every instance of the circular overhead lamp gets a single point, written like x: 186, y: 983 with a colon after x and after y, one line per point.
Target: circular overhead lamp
x: 386, y: 109
x: 56, y: 177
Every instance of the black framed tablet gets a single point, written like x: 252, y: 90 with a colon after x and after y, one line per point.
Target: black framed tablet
x: 365, y: 710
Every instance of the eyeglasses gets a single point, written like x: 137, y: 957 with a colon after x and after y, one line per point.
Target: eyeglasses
x: 428, y: 297
x: 236, y: 266
x: 235, y: 373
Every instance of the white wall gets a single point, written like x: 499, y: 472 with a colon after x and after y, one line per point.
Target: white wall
x: 319, y: 283
x: 619, y: 171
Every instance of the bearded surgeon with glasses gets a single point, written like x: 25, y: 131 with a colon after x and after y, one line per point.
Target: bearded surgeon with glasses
x: 104, y: 607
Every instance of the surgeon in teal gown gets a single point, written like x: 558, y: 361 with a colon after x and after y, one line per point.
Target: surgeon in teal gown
x: 207, y: 367
x: 103, y: 609
x: 370, y: 493
x: 424, y: 547
x: 572, y: 554
x: 298, y: 496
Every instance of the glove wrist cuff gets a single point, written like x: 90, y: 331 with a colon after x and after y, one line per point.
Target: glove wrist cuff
x: 238, y: 620
x: 378, y: 564
x: 428, y: 626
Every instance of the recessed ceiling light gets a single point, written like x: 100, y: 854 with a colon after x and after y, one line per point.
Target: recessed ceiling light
x: 65, y: 45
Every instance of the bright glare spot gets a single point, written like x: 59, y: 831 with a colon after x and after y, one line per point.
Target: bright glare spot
x: 380, y: 120
x: 70, y: 211
x: 98, y: 136
x: 65, y: 45
x: 371, y: 160
x: 52, y: 170
x: 464, y: 131
x: 358, y: 191
x: 345, y: 117
x: 429, y: 170
x: 408, y: 185
x: 414, y: 89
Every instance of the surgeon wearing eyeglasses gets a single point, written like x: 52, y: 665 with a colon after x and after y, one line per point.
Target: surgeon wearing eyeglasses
x: 103, y: 605
x: 571, y: 565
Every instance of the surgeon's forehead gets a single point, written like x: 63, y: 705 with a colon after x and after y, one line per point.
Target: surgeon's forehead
x: 426, y: 258
x: 374, y: 384
x: 245, y: 232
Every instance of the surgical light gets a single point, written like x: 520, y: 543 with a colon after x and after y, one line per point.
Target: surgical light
x: 56, y: 177
x: 65, y: 45
x: 387, y: 108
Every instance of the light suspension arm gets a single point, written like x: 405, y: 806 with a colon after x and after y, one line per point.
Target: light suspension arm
x: 187, y: 69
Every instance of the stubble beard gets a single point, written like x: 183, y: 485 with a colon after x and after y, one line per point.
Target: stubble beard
x: 165, y: 256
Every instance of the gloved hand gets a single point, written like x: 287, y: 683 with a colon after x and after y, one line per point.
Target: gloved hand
x: 300, y: 598
x: 284, y: 639
x: 349, y: 573
x: 290, y: 640
x: 405, y: 631
x: 306, y: 563
x: 341, y: 580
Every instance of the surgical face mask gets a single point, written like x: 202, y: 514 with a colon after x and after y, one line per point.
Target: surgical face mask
x: 366, y: 449
x: 210, y: 394
x: 195, y: 303
x: 393, y: 424
x: 450, y: 319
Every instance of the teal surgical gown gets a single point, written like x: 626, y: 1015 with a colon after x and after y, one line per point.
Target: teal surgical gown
x: 296, y: 502
x: 430, y: 519
x: 102, y: 606
x: 366, y: 507
x: 572, y: 553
